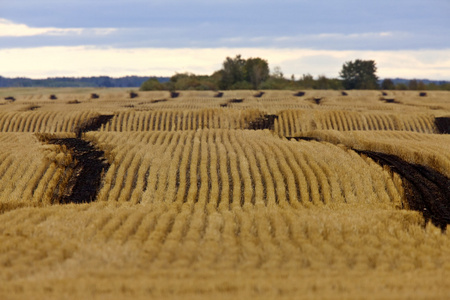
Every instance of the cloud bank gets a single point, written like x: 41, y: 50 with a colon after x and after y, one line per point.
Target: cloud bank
x: 11, y: 29
x: 42, y: 62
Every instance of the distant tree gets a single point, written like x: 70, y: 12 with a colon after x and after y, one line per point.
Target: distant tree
x: 387, y: 84
x: 322, y: 83
x: 277, y: 73
x: 421, y: 85
x: 401, y: 86
x: 359, y: 74
x: 256, y: 71
x: 233, y: 71
x: 185, y: 81
x: 151, y: 84
x: 307, y: 81
x: 413, y: 85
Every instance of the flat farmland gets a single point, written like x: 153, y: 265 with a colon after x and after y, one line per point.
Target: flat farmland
x: 114, y: 194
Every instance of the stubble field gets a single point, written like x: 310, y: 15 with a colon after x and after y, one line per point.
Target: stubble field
x: 107, y: 194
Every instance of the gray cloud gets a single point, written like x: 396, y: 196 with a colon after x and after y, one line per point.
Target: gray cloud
x: 321, y: 24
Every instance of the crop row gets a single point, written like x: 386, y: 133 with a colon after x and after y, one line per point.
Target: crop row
x: 229, y: 168
x: 287, y: 123
x: 51, y: 121
x: 294, y: 121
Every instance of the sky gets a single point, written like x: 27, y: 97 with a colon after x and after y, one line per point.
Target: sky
x: 49, y: 38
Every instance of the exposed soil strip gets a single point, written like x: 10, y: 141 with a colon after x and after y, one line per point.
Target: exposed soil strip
x: 389, y: 100
x: 158, y: 100
x: 264, y: 122
x: 92, y: 124
x: 74, y: 102
x: 443, y: 124
x: 299, y: 94
x: 317, y: 100
x: 88, y: 166
x: 427, y: 190
x: 303, y: 138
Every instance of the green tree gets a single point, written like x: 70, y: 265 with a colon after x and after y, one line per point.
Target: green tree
x: 152, y: 84
x: 387, y: 84
x: 359, y: 74
x: 233, y: 72
x: 256, y: 71
x: 401, y: 86
x: 307, y: 81
x: 413, y: 85
x: 416, y: 85
x: 322, y: 83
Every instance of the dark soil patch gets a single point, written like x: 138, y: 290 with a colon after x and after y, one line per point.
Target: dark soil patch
x: 218, y: 95
x: 92, y: 124
x: 443, y: 124
x: 303, y: 138
x: 223, y: 104
x: 258, y: 95
x: 158, y: 100
x: 299, y: 94
x: 74, y: 102
x: 317, y: 100
x: 129, y: 106
x: 236, y: 100
x: 88, y: 166
x: 32, y: 107
x: 427, y: 190
x: 264, y: 122
x: 389, y: 100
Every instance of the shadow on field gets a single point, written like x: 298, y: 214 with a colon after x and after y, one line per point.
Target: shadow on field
x: 443, y: 124
x: 263, y: 122
x: 92, y: 124
x: 427, y: 190
x: 88, y: 165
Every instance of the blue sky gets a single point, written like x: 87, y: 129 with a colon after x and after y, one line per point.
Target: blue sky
x: 43, y: 38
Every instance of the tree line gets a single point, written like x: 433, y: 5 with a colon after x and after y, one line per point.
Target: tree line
x: 253, y: 73
x: 95, y: 81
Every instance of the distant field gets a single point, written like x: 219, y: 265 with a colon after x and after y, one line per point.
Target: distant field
x: 114, y: 193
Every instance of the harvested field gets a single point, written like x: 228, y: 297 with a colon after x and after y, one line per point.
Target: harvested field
x: 252, y: 195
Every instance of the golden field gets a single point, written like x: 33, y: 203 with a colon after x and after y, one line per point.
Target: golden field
x: 208, y: 197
